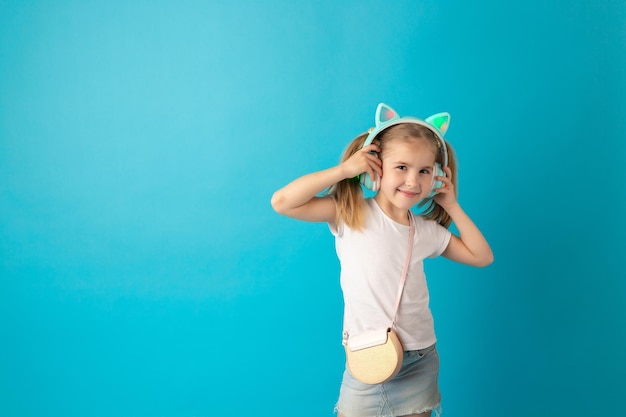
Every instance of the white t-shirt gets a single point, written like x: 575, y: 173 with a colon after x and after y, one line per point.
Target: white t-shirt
x: 371, y: 267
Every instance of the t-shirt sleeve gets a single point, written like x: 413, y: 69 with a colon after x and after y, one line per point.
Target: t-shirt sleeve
x: 440, y: 236
x: 336, y: 229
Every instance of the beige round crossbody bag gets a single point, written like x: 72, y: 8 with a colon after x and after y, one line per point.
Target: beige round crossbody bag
x: 375, y: 357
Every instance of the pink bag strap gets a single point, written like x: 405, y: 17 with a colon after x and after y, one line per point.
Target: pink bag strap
x: 405, y: 270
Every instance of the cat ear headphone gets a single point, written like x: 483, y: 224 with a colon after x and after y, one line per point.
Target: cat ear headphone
x: 387, y: 117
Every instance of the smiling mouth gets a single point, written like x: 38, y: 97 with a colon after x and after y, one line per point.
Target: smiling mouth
x: 408, y: 194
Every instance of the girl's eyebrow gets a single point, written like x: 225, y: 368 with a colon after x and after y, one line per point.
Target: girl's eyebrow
x: 408, y: 164
x: 400, y: 162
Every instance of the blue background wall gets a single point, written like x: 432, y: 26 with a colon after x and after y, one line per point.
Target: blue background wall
x: 143, y: 272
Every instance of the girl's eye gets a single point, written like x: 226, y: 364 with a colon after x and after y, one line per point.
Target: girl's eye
x: 426, y: 171
x: 401, y: 167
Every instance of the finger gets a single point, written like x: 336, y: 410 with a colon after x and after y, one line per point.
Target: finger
x: 446, y: 187
x: 375, y: 162
x: 373, y: 175
x: 371, y: 148
x: 377, y: 169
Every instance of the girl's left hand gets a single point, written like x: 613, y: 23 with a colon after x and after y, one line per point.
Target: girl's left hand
x: 446, y: 195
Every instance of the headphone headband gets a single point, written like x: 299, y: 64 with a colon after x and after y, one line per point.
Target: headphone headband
x: 387, y: 117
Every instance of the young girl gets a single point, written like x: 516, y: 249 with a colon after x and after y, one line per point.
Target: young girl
x: 406, y: 161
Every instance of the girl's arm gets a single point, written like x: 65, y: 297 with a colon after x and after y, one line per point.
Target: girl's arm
x: 299, y: 200
x: 470, y: 247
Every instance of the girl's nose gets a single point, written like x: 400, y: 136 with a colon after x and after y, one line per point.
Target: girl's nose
x: 411, y: 180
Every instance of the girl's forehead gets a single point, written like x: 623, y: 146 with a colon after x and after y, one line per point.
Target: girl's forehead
x: 411, y: 147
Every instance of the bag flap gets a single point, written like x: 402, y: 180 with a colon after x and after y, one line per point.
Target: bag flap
x: 368, y: 339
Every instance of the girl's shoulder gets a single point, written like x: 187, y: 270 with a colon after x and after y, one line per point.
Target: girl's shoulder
x: 425, y: 223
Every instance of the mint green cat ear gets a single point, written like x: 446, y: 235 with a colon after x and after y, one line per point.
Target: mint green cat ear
x: 441, y: 121
x: 384, y: 113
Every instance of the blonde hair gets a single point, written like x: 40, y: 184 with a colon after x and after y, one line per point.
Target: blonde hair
x: 348, y: 193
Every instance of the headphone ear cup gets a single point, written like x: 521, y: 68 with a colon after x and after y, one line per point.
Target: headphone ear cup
x: 368, y: 182
x: 437, y: 172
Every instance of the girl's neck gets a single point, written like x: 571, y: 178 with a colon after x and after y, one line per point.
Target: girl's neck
x: 394, y: 213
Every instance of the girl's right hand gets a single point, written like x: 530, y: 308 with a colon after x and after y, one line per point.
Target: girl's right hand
x: 364, y: 160
x: 299, y: 199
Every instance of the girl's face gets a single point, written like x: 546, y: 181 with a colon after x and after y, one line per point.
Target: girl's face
x: 407, y: 175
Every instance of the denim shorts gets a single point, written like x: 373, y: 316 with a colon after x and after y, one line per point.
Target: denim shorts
x: 414, y: 390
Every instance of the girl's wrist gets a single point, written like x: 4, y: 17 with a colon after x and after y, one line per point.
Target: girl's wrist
x: 453, y: 208
x: 343, y: 173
